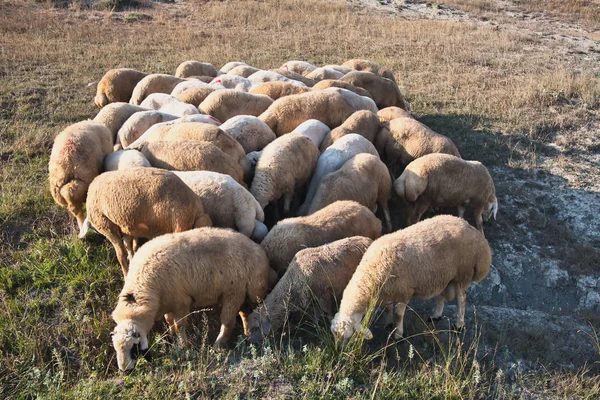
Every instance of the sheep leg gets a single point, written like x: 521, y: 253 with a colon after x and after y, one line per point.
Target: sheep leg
x: 399, y: 310
x: 479, y: 219
x: 386, y: 214
x: 287, y: 202
x: 461, y: 211
x: 136, y: 244
x: 128, y: 242
x: 176, y: 322
x: 244, y: 318
x: 439, y: 309
x: 461, y: 299
x: 389, y: 316
x: 229, y: 310
x: 115, y: 237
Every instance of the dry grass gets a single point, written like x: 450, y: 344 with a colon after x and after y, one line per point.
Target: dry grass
x: 56, y: 292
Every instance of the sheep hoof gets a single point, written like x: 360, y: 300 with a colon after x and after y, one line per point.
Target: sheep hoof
x: 433, y: 320
x: 398, y: 336
x: 458, y: 328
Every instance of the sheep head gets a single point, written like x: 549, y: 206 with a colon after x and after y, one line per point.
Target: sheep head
x: 128, y: 342
x: 343, y: 327
x: 258, y: 326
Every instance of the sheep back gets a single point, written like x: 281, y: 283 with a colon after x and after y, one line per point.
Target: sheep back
x: 278, y: 89
x: 114, y: 115
x: 369, y: 66
x: 191, y: 68
x: 385, y: 92
x: 328, y: 83
x: 362, y: 122
x: 154, y: 83
x: 117, y: 86
x: 227, y: 103
x: 250, y: 132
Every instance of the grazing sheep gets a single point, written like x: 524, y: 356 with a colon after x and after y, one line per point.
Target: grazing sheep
x: 114, y: 115
x: 444, y: 180
x: 140, y: 122
x: 286, y: 113
x: 364, y: 179
x: 440, y: 256
x: 191, y: 68
x: 294, y: 76
x: 195, y: 95
x: 300, y: 67
x: 339, y: 220
x: 233, y: 82
x: 174, y: 273
x: 390, y: 113
x: 270, y: 76
x: 369, y: 66
x: 278, y: 89
x: 314, y: 129
x: 243, y: 70
x: 328, y: 83
x: 317, y: 273
x: 333, y: 158
x: 169, y: 105
x: 227, y: 103
x: 274, y: 178
x: 385, y: 92
x: 251, y: 133
x: 191, y: 84
x: 154, y: 83
x: 203, y: 78
x: 191, y: 155
x: 324, y: 73
x: 125, y: 159
x: 338, y: 68
x: 76, y: 159
x: 403, y: 140
x: 117, y: 86
x: 141, y: 203
x: 228, y: 203
x: 229, y: 66
x: 358, y: 102
x: 363, y: 122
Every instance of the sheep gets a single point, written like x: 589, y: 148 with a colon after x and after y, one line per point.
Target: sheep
x: 314, y: 129
x: 300, y: 67
x: 390, y: 113
x: 444, y: 180
x: 169, y: 104
x: 190, y: 84
x: 286, y: 113
x: 358, y: 102
x: 294, y: 76
x: 227, y: 103
x: 317, y: 273
x: 141, y: 203
x: 233, y: 82
x: 198, y: 132
x: 363, y: 122
x: 364, y: 178
x: 278, y: 89
x: 114, y: 115
x: 403, y: 140
x: 270, y: 76
x: 229, y: 66
x: 140, y: 122
x: 191, y: 155
x: 385, y: 92
x: 203, y: 118
x: 117, y: 86
x: 324, y: 73
x: 76, y: 159
x: 125, y: 159
x: 175, y: 272
x: 333, y: 158
x: 251, y: 133
x: 203, y: 78
x: 228, y: 204
x: 195, y: 95
x: 274, y: 178
x: 369, y: 66
x: 440, y: 257
x: 338, y: 68
x: 243, y: 70
x: 327, y: 83
x: 190, y: 68
x: 339, y: 220
x: 154, y: 83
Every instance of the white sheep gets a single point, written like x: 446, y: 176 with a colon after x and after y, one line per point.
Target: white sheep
x: 114, y: 115
x: 228, y: 103
x: 357, y: 101
x: 324, y: 73
x: 339, y: 68
x: 270, y: 76
x: 125, y: 159
x: 174, y: 273
x: 195, y: 68
x: 169, y: 105
x: 140, y: 122
x: 440, y: 256
x: 235, y: 82
x: 228, y: 203
x: 252, y: 133
x: 154, y: 83
x: 314, y: 129
x: 444, y: 180
x: 300, y: 67
x: 333, y: 158
x: 117, y: 86
x: 194, y: 83
x: 200, y: 118
x: 229, y: 66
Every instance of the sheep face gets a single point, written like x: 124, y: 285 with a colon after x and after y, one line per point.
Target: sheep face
x: 343, y: 328
x: 491, y: 210
x: 259, y: 326
x: 128, y: 342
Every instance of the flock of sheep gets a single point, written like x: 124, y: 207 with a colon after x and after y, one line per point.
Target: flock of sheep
x: 190, y: 161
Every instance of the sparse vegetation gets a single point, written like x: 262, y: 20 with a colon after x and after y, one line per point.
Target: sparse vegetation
x: 501, y: 96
